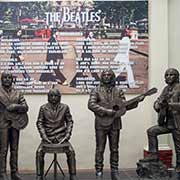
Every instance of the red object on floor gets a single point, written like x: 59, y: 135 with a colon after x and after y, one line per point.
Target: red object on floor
x: 165, y: 155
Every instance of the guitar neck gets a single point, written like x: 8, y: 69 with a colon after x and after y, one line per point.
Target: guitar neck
x: 137, y: 98
x: 133, y: 100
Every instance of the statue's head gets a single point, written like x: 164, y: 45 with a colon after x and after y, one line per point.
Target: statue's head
x: 108, y: 77
x: 171, y: 76
x: 6, y: 79
x: 54, y: 96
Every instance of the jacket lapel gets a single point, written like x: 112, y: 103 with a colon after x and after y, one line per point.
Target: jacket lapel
x: 59, y: 109
x: 13, y: 94
x: 54, y: 114
x: 4, y: 97
x: 50, y: 109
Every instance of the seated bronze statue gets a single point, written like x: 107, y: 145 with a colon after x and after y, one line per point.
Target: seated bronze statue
x: 55, y: 126
x: 13, y: 117
x: 168, y: 108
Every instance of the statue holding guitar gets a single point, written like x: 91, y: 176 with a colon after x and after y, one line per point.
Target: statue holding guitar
x: 108, y: 103
x: 13, y: 117
x: 127, y: 104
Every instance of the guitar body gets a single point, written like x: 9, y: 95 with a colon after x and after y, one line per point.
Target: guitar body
x: 18, y: 121
x: 22, y: 122
x: 106, y: 100
x: 15, y: 119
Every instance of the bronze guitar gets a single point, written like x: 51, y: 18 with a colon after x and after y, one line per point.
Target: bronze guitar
x: 138, y: 98
x: 21, y: 120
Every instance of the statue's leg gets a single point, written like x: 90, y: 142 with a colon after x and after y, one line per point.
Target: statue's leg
x: 14, y: 142
x: 3, y: 153
x: 176, y: 138
x: 114, y: 146
x: 40, y: 163
x: 71, y: 161
x: 101, y: 136
x: 152, y: 133
x: 114, y: 154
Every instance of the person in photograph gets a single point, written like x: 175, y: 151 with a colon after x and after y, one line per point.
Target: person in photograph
x: 1, y: 34
x: 17, y: 57
x: 122, y: 59
x: 54, y: 58
x: 85, y: 64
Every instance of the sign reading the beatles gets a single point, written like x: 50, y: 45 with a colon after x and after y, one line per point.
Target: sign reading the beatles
x: 67, y: 44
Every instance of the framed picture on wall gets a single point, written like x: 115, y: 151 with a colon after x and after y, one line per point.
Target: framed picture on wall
x: 68, y: 44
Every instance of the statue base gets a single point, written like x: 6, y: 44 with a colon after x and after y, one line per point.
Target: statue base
x: 152, y: 170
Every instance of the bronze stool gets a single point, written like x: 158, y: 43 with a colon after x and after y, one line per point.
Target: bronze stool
x: 55, y: 149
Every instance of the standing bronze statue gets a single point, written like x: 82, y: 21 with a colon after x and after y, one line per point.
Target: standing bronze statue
x: 55, y: 126
x: 168, y: 108
x: 13, y: 117
x: 108, y: 104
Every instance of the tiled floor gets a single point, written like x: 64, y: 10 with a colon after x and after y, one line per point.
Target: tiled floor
x: 124, y: 175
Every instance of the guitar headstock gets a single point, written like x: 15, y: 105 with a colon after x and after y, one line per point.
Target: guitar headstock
x: 151, y: 91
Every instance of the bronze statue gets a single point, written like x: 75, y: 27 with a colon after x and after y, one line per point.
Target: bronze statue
x: 55, y: 126
x: 13, y: 117
x: 108, y: 104
x: 168, y: 108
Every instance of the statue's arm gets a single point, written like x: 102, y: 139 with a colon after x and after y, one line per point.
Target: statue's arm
x: 69, y: 123
x: 96, y: 108
x: 23, y: 107
x: 20, y: 107
x: 161, y: 101
x: 40, y: 125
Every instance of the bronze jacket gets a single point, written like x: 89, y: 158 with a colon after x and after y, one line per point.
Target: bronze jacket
x: 101, y: 102
x: 54, y: 123
x: 18, y: 117
x: 172, y: 112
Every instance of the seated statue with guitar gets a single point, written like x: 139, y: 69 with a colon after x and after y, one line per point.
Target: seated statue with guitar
x: 168, y: 108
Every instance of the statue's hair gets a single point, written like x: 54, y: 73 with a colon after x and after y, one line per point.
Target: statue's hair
x: 5, y: 73
x: 54, y: 90
x: 112, y: 75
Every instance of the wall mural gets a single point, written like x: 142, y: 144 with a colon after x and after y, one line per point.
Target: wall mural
x: 67, y: 44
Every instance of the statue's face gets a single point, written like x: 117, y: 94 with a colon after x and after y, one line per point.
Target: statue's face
x: 7, y: 80
x: 107, y: 77
x: 54, y: 97
x: 170, y: 76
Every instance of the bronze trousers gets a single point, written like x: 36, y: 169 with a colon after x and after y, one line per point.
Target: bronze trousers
x: 9, y: 137
x: 101, y: 138
x: 153, y: 133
